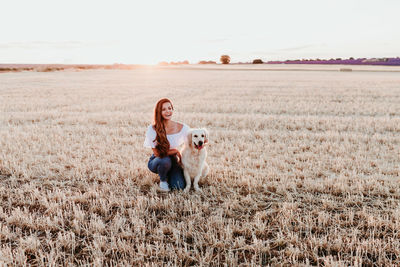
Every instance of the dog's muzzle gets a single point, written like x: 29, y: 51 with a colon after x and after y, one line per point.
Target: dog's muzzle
x: 199, y: 146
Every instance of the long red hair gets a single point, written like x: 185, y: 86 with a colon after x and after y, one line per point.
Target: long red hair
x: 161, y: 138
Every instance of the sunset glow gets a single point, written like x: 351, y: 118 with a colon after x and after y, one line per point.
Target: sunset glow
x: 147, y: 32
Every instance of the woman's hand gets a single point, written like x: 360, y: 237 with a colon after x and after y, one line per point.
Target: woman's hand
x: 179, y: 159
x: 179, y: 156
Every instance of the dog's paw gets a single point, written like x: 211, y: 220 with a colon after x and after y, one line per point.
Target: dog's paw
x: 186, y: 190
x: 197, y: 188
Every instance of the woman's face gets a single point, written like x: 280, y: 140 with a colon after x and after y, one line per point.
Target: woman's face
x: 166, y: 111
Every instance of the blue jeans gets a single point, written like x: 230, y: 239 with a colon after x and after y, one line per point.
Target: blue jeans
x: 169, y: 171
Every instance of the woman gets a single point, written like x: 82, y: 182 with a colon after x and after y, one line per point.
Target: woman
x: 164, y: 137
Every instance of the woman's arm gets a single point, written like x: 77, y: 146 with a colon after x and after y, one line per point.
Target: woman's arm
x: 173, y: 152
x: 170, y: 152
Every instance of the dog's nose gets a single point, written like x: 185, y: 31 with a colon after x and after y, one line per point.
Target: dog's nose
x: 200, y: 143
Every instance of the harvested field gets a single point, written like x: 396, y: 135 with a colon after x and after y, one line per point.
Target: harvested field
x: 305, y: 168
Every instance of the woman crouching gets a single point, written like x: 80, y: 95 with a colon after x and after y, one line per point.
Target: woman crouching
x: 164, y: 137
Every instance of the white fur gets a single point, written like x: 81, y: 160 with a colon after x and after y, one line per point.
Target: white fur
x: 194, y: 160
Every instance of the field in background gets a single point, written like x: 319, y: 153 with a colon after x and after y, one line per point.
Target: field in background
x: 304, y: 168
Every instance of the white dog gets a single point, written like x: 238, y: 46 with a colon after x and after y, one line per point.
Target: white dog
x: 194, y: 156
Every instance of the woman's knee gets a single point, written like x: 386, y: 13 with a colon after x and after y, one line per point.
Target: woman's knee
x: 156, y: 164
x: 165, y: 163
x: 151, y: 163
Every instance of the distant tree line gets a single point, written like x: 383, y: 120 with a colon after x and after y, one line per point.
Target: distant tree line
x: 207, y: 62
x: 60, y: 67
x: 349, y: 61
x: 224, y: 59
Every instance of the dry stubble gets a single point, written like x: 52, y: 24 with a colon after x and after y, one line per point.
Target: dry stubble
x: 304, y: 169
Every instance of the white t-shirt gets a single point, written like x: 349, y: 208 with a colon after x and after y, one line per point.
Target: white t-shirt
x: 175, y: 140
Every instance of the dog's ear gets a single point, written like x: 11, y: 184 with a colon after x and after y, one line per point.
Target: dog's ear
x: 189, y: 138
x: 207, y: 135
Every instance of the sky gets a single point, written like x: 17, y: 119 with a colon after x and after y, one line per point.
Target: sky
x: 148, y: 31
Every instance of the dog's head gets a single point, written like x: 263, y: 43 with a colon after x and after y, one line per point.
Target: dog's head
x: 198, y: 138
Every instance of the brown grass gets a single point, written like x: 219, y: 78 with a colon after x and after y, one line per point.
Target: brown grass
x: 304, y: 169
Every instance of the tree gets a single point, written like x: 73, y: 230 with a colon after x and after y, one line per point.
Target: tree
x: 257, y: 61
x: 225, y: 59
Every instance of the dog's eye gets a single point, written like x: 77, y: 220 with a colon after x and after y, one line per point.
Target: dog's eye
x: 202, y: 135
x: 195, y: 135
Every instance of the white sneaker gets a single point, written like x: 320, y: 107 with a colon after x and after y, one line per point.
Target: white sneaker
x: 164, y: 186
